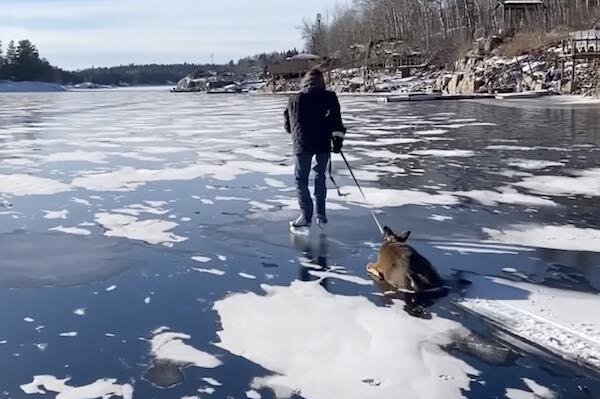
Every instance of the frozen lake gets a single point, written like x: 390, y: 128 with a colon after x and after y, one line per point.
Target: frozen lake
x: 145, y: 251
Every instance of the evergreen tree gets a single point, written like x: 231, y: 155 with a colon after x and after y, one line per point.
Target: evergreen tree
x: 10, y: 60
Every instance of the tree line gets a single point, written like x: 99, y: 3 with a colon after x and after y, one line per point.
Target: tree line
x: 442, y: 27
x: 22, y: 61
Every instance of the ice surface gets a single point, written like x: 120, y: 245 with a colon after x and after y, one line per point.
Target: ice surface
x: 561, y: 321
x: 167, y: 345
x: 101, y: 389
x: 151, y: 231
x: 565, y: 237
x: 339, y: 276
x: 330, y: 344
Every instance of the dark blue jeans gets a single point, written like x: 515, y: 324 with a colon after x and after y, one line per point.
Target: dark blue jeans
x: 303, y: 165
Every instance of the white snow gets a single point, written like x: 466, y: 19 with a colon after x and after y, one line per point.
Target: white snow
x: 252, y: 394
x: 167, y: 345
x: 80, y: 312
x: 561, y: 321
x: 69, y: 334
x: 201, y: 259
x: 71, y: 230
x: 565, y: 237
x: 28, y: 320
x: 151, y: 231
x: 111, y: 288
x: 586, y: 182
x: 536, y: 391
x: 431, y: 132
x: 307, y: 353
x: 56, y: 214
x: 216, y: 272
x: 247, y: 276
x: 380, y: 198
x: 20, y: 185
x: 444, y: 153
x: 440, y: 218
x: 101, y: 389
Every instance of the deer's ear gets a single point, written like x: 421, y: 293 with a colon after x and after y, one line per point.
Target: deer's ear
x: 403, y: 237
x: 388, y: 234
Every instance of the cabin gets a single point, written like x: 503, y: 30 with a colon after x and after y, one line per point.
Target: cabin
x: 394, y: 57
x: 518, y: 14
x: 294, y: 67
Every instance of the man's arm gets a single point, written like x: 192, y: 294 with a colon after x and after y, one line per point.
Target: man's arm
x: 338, y: 130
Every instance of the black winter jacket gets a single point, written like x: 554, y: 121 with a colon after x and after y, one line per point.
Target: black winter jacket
x: 311, y: 116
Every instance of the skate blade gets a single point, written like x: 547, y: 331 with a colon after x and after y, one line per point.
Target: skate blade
x: 303, y: 231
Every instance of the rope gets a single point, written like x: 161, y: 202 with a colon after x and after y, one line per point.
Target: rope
x: 362, y: 193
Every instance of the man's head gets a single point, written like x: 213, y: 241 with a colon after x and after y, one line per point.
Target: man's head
x: 313, y: 78
x: 390, y: 236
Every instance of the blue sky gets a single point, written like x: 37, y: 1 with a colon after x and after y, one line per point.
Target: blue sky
x: 80, y: 33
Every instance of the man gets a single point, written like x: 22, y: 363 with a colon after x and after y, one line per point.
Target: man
x: 314, y: 120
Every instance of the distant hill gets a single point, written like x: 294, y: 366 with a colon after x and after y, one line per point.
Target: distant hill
x: 151, y: 74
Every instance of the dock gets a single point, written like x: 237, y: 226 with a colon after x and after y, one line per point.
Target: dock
x: 430, y: 97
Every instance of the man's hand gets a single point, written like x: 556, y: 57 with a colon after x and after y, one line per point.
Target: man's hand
x: 338, y: 143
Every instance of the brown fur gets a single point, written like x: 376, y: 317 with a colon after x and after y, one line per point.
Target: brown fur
x: 402, y: 266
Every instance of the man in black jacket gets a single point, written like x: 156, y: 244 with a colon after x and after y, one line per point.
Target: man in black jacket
x: 314, y: 120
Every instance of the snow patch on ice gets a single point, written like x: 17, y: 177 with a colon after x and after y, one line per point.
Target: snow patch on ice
x: 440, y: 218
x: 80, y: 311
x: 566, y: 237
x: 506, y: 195
x: 216, y: 272
x: 303, y: 348
x: 247, y: 276
x: 101, y: 389
x: 71, y: 230
x: 533, y: 164
x: 561, y: 321
x: 444, y: 153
x: 585, y: 182
x: 201, y: 259
x: 21, y: 185
x: 274, y: 183
x: 167, y: 345
x: 151, y: 231
x: 69, y: 334
x: 56, y: 214
x: 212, y: 381
x: 380, y: 198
